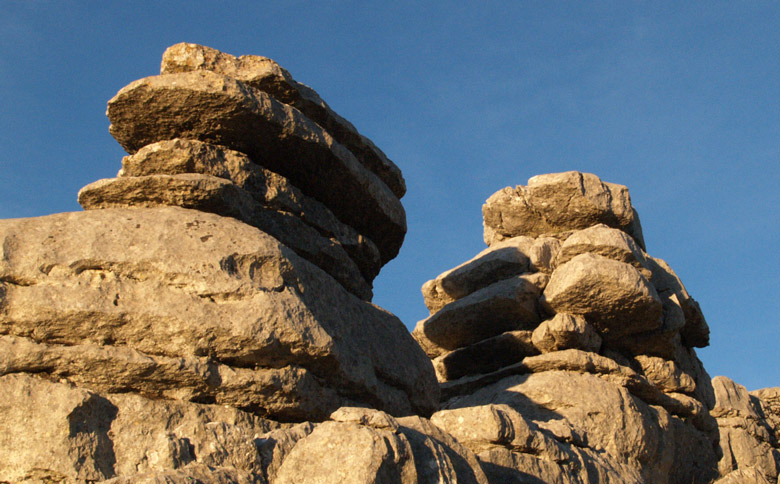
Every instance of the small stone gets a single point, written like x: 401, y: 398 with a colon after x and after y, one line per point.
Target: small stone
x: 566, y: 331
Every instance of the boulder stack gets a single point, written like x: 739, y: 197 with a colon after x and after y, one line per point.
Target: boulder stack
x: 218, y: 289
x: 568, y: 332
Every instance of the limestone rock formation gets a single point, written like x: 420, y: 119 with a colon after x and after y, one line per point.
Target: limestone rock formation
x: 608, y: 387
x: 208, y: 319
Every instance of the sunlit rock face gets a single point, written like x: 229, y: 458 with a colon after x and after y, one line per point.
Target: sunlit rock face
x: 207, y: 318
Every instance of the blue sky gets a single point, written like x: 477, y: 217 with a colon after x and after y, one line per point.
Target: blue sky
x: 680, y: 101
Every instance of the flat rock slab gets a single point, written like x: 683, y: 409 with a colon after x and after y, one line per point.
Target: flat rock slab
x: 217, y: 195
x: 503, y: 306
x: 566, y: 331
x: 217, y: 109
x: 180, y: 156
x: 266, y: 75
x: 485, y: 356
x: 502, y: 260
x: 175, y: 282
x: 559, y: 202
x: 604, y: 241
x: 613, y: 296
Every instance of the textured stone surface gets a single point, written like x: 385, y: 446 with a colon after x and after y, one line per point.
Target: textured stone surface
x: 613, y: 296
x: 210, y: 107
x: 605, y: 241
x: 175, y: 283
x: 558, y: 202
x: 216, y: 195
x: 266, y: 75
x: 565, y: 331
x: 503, y: 306
x: 501, y: 261
x: 178, y: 156
x: 665, y: 374
x: 82, y: 436
x: 485, y: 356
x: 349, y: 452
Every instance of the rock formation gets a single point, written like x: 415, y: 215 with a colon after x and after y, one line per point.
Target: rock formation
x: 207, y: 318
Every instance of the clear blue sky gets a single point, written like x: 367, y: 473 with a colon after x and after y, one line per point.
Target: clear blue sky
x: 680, y: 101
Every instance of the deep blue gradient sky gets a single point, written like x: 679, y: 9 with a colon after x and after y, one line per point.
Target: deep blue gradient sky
x: 680, y: 101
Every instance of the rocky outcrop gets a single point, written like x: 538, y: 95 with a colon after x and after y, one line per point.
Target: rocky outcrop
x: 207, y: 318
x: 608, y: 387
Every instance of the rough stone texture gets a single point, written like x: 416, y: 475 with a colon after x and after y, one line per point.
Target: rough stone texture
x: 171, y: 282
x: 485, y: 356
x: 604, y: 241
x: 217, y: 109
x: 83, y: 436
x: 750, y: 475
x: 266, y: 75
x: 665, y: 374
x: 503, y: 306
x: 501, y: 261
x: 178, y: 156
x: 438, y: 457
x: 747, y: 437
x: 565, y: 331
x: 216, y: 195
x: 559, y: 202
x: 349, y: 452
x: 613, y: 296
x: 695, y: 332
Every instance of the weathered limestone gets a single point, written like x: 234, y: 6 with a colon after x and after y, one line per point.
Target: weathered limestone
x: 266, y: 75
x: 604, y: 241
x: 559, y: 202
x: 217, y: 195
x: 485, y: 356
x: 503, y: 306
x: 565, y: 331
x: 273, y: 191
x: 172, y: 283
x: 217, y: 109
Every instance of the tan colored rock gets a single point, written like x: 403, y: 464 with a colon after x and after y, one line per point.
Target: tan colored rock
x: 485, y: 356
x: 220, y: 110
x: 192, y: 473
x: 732, y: 399
x: 179, y: 156
x: 289, y: 392
x: 82, y: 436
x: 266, y: 75
x: 750, y: 475
x: 501, y: 261
x: 613, y: 296
x: 349, y: 453
x: 178, y: 283
x: 604, y: 241
x: 665, y: 374
x: 559, y: 202
x: 217, y: 195
x: 695, y: 332
x: 689, y: 363
x: 365, y: 416
x: 566, y: 331
x: 275, y: 445
x: 438, y: 457
x: 503, y: 306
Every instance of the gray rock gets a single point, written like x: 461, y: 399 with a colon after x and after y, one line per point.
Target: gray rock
x: 559, y: 202
x: 217, y: 109
x: 613, y: 296
x: 485, y: 356
x: 266, y: 75
x: 275, y: 445
x: 217, y: 195
x: 191, y: 474
x: 178, y: 283
x: 178, y: 156
x: 566, y: 331
x: 604, y: 241
x: 749, y: 475
x: 503, y: 306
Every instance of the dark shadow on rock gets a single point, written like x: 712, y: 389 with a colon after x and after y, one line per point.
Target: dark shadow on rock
x: 93, y: 419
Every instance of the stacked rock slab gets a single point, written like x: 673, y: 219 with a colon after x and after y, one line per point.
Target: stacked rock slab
x: 568, y: 336
x: 210, y: 308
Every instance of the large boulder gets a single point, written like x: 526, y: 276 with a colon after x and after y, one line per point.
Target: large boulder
x: 266, y: 75
x: 559, y: 202
x: 218, y: 109
x: 171, y: 283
